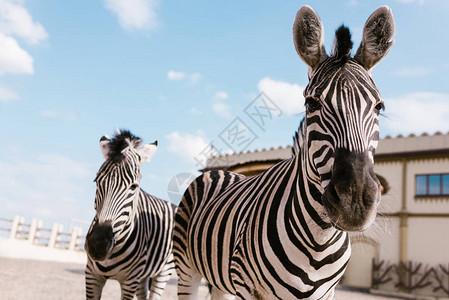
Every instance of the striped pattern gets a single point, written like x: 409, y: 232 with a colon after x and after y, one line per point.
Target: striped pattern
x: 349, y: 95
x: 141, y: 258
x: 348, y: 115
x: 270, y: 236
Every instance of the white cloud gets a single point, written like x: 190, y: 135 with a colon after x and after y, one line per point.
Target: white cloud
x: 49, y: 113
x: 16, y: 20
x: 187, y: 146
x: 194, y: 77
x: 14, y: 59
x: 289, y: 97
x: 152, y: 176
x: 134, y: 14
x: 413, y: 72
x: 59, y: 115
x: 174, y: 75
x: 222, y: 109
x: 77, y: 169
x: 417, y: 113
x: 221, y: 95
x: 195, y: 111
x: 6, y: 94
x: 420, y: 2
x: 46, y: 185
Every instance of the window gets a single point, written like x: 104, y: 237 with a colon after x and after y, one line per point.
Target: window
x: 421, y: 185
x: 432, y: 185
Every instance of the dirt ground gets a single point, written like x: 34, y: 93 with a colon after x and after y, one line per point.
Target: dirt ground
x: 39, y: 280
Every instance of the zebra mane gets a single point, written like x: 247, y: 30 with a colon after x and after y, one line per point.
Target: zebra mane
x: 298, y: 139
x: 120, y: 142
x: 342, y: 44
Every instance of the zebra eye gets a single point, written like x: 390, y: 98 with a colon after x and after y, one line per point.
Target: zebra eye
x: 380, y: 106
x: 133, y: 187
x: 312, y: 104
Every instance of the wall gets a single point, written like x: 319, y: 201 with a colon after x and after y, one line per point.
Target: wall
x: 428, y: 240
x: 392, y: 172
x: 14, y: 248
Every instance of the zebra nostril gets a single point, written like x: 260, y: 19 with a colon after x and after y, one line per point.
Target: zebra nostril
x: 334, y: 194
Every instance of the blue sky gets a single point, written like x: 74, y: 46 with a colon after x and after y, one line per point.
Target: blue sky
x: 180, y: 72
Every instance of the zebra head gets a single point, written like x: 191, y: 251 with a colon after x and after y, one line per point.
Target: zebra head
x: 341, y: 126
x: 117, y: 192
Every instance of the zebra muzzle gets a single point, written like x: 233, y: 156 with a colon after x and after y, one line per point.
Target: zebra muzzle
x: 353, y: 193
x: 100, y: 241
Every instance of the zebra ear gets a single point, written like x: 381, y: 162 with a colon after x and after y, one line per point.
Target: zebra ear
x: 105, y: 143
x: 147, y: 151
x: 308, y: 36
x: 376, y: 41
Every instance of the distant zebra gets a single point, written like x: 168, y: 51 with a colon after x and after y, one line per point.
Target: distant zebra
x: 130, y: 239
x: 283, y: 234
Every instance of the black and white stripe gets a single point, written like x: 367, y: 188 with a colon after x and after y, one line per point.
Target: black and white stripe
x: 130, y: 239
x: 283, y: 233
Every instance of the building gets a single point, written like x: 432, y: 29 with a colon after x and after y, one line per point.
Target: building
x: 407, y: 249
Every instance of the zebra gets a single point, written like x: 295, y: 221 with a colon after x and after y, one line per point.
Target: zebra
x: 130, y: 238
x: 283, y: 234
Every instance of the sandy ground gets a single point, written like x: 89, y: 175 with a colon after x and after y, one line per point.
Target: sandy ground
x: 39, y: 280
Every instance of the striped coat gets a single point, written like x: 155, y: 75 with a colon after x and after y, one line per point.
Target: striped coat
x: 283, y: 233
x: 130, y: 239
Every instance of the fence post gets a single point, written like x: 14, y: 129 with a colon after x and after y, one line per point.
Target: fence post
x: 20, y: 227
x: 32, y: 232
x: 58, y: 236
x: 54, y: 235
x: 37, y: 234
x: 76, y: 232
x: 14, y: 226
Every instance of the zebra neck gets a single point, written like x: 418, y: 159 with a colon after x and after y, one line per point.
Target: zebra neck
x: 308, y: 215
x: 298, y: 139
x: 130, y: 230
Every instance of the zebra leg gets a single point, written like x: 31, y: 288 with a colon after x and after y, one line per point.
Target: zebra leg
x: 158, y: 283
x: 188, y: 284
x: 217, y: 294
x: 188, y: 278
x: 142, y: 289
x: 129, y: 289
x: 94, y: 285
